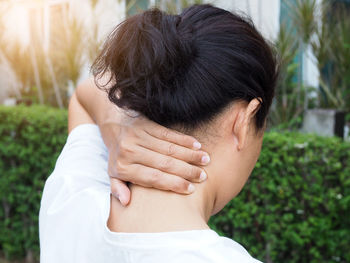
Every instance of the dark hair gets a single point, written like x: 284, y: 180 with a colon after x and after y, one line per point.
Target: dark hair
x: 185, y: 69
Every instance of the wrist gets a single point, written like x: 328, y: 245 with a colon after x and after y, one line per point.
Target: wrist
x: 110, y: 131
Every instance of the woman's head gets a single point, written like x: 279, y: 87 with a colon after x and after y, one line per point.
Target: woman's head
x: 206, y: 71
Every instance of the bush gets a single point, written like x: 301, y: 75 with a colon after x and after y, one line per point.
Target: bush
x: 295, y: 207
x: 30, y: 141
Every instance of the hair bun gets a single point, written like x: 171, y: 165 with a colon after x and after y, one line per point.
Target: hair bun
x: 184, y: 69
x: 144, y: 51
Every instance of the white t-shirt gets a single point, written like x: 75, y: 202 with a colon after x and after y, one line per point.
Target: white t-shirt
x: 75, y: 209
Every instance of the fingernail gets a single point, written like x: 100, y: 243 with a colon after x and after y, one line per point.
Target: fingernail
x: 122, y: 200
x: 190, y: 188
x: 197, y: 145
x: 203, y: 176
x: 205, y: 159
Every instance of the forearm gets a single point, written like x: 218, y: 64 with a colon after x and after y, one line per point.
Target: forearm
x: 77, y: 115
x: 96, y: 102
x: 101, y: 110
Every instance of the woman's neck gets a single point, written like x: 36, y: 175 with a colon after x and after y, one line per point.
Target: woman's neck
x: 152, y: 210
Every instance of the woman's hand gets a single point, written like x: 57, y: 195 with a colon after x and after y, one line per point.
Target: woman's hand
x: 145, y: 153
x: 140, y: 151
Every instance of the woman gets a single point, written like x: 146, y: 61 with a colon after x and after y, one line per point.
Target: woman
x: 207, y: 73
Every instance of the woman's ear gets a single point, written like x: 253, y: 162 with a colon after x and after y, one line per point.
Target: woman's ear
x: 242, y: 123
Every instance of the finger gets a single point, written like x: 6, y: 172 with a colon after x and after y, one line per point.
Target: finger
x: 160, y: 180
x: 174, y: 150
x: 169, y: 135
x: 120, y: 190
x: 169, y: 165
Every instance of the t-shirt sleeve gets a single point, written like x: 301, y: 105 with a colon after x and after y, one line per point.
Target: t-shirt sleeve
x: 84, y: 150
x: 83, y: 161
x: 75, y: 200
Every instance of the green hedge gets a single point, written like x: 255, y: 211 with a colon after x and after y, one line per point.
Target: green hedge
x: 295, y: 207
x: 30, y: 141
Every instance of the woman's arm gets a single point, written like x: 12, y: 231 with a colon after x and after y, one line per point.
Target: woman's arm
x: 77, y: 115
x: 141, y: 151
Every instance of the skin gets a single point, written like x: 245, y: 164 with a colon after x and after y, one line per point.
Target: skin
x: 140, y: 151
x: 234, y: 145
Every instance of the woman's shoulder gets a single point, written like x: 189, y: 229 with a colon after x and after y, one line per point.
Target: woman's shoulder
x: 234, y: 251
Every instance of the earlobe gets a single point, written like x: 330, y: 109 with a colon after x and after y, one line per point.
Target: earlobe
x: 236, y: 143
